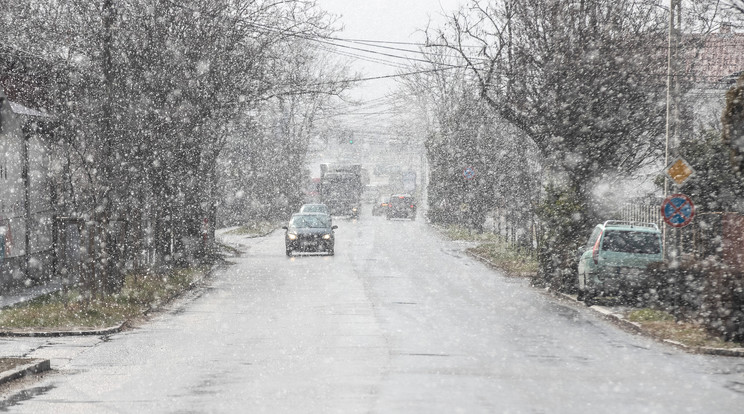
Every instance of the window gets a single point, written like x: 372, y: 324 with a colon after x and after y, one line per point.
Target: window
x: 631, y: 242
x: 593, y: 238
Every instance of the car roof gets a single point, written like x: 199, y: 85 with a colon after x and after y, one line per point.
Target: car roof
x: 310, y: 213
x: 400, y: 195
x: 630, y: 226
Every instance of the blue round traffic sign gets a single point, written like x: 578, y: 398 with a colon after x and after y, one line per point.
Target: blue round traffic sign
x: 468, y: 173
x: 677, y: 210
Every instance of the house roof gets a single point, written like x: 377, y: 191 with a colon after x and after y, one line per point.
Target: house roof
x: 26, y: 79
x: 721, y: 58
x: 19, y: 109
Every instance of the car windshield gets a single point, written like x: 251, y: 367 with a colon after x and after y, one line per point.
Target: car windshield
x: 314, y: 221
x: 631, y: 242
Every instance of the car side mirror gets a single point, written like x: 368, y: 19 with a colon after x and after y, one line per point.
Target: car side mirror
x: 285, y: 227
x: 334, y: 227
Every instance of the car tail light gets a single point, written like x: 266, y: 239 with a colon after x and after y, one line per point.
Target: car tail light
x: 595, y: 250
x: 411, y: 205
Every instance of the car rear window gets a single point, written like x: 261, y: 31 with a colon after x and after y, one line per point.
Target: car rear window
x: 401, y: 201
x: 631, y: 242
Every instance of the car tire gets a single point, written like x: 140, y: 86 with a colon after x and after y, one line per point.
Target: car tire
x: 289, y: 252
x: 590, y: 298
x: 580, y: 287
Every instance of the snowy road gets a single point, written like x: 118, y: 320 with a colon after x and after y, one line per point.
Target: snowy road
x: 399, y: 321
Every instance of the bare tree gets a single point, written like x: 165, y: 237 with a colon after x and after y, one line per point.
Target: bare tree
x: 148, y: 110
x: 580, y: 79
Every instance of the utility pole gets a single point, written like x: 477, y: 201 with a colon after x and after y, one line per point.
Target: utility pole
x: 109, y: 278
x: 672, y: 104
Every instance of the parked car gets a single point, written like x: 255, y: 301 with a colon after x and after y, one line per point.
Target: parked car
x: 401, y: 206
x: 613, y: 261
x: 380, y: 207
x: 315, y: 208
x: 309, y: 232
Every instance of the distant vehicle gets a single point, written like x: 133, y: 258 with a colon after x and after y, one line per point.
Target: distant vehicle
x: 402, y: 181
x: 315, y: 208
x: 309, y: 232
x: 371, y: 193
x: 341, y: 188
x: 380, y: 207
x: 614, y: 259
x: 312, y: 190
x: 401, y: 206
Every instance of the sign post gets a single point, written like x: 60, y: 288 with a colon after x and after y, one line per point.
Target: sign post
x: 679, y: 171
x: 677, y: 210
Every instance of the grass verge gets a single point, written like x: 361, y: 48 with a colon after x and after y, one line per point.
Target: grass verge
x: 512, y: 260
x: 74, y: 310
x: 254, y: 229
x: 462, y: 233
x: 663, y: 325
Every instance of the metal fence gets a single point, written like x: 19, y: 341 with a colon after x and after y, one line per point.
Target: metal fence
x: 710, y: 236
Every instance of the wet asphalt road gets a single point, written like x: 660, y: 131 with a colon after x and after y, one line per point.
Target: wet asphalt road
x: 399, y: 321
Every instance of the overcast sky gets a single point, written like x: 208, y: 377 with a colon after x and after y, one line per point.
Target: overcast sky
x: 384, y: 20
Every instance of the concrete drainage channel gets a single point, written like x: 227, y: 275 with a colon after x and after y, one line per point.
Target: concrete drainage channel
x: 13, y: 368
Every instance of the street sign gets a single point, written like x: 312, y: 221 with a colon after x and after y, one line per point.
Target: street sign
x: 677, y: 210
x: 679, y: 171
x: 468, y: 173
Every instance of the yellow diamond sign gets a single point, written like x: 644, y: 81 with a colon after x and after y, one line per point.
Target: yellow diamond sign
x: 679, y: 171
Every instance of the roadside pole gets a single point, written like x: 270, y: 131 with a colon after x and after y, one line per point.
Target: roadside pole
x: 671, y: 51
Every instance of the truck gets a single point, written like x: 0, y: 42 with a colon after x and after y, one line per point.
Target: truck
x: 341, y: 188
x: 403, y: 181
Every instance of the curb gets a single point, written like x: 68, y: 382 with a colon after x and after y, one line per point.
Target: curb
x: 111, y: 329
x: 34, y: 366
x: 638, y: 328
x: 46, y: 334
x: 629, y: 325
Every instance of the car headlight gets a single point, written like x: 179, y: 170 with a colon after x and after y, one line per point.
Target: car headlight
x: 291, y: 236
x: 326, y: 237
x: 354, y: 209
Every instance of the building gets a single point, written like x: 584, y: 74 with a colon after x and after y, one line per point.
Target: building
x: 713, y: 64
x: 26, y: 197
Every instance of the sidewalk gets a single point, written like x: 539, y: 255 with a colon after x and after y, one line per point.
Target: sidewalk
x: 12, y: 368
x: 24, y: 294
